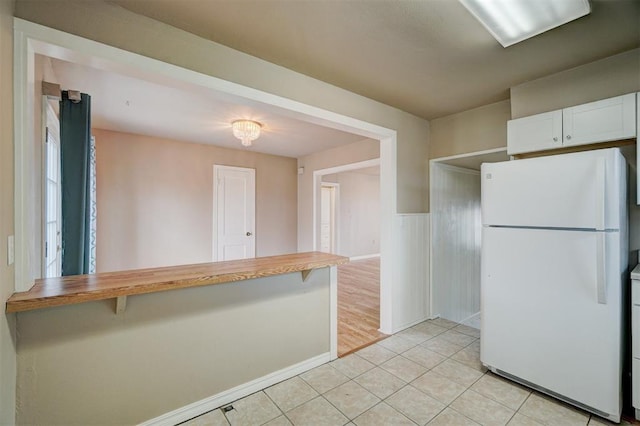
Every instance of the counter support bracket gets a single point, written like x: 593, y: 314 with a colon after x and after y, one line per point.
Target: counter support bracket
x: 121, y: 304
x: 305, y: 274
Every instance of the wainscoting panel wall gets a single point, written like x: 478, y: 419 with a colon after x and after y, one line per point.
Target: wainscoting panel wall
x: 411, y: 270
x: 456, y: 232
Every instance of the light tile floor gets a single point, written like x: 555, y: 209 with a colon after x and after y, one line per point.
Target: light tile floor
x: 429, y: 374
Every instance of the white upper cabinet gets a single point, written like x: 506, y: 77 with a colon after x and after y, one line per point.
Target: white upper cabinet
x: 534, y: 133
x: 607, y: 120
x: 601, y: 121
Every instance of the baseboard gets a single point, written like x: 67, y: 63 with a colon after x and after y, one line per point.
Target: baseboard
x: 198, y: 408
x: 364, y: 256
x: 411, y: 324
x: 472, y: 320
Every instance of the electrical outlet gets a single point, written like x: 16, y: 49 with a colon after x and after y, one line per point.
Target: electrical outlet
x: 10, y: 250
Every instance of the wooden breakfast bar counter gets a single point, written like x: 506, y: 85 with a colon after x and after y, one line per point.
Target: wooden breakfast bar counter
x: 233, y: 328
x: 69, y: 290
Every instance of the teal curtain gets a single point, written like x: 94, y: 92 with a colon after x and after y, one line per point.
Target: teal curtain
x: 75, y: 165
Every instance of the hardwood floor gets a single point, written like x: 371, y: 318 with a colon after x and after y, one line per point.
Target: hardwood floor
x: 358, y: 305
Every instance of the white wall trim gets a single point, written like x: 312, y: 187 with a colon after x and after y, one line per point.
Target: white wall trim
x: 363, y: 257
x: 333, y: 311
x: 223, y: 398
x: 411, y: 324
x: 470, y: 154
x: 456, y: 168
x: 23, y: 107
x: 336, y: 215
x: 471, y: 320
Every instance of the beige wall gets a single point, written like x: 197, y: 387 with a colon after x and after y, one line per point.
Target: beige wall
x: 82, y: 364
x: 353, y: 153
x: 7, y: 322
x: 155, y: 200
x: 612, y: 76
x: 486, y: 127
x: 120, y: 28
x: 359, y: 212
x: 474, y: 130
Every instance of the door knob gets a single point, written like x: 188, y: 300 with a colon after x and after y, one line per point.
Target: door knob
x: 249, y: 234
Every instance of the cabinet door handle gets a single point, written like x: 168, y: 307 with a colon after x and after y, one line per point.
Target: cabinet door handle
x: 555, y: 139
x: 249, y: 234
x: 568, y: 137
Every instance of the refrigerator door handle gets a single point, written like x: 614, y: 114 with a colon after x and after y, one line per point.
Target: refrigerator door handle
x: 601, y: 282
x: 600, y: 193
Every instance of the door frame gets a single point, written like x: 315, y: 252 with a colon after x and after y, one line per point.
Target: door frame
x: 216, y: 200
x: 49, y: 117
x: 335, y: 215
x: 31, y: 39
x: 443, y: 162
x: 386, y: 244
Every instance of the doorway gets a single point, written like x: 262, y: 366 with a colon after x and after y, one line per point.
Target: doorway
x: 349, y: 225
x: 52, y: 188
x: 329, y: 211
x: 36, y: 39
x: 456, y: 230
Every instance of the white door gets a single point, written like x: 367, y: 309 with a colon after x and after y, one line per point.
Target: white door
x: 542, y: 317
x: 328, y: 232
x: 579, y: 190
x: 234, y: 207
x: 52, y: 265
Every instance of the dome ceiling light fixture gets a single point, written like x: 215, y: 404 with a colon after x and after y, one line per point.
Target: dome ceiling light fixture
x: 246, y: 130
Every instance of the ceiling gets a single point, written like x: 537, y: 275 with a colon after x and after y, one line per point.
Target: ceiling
x: 189, y: 113
x: 430, y: 57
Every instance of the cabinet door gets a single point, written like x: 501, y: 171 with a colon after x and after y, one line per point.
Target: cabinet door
x: 535, y: 133
x: 601, y: 121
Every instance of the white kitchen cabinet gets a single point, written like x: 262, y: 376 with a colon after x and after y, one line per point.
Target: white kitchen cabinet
x: 601, y: 121
x: 535, y: 133
x: 607, y: 120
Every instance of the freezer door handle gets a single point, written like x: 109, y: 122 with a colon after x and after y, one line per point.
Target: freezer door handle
x: 600, y: 193
x: 601, y: 282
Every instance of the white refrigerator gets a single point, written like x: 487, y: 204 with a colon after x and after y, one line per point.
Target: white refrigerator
x: 554, y: 263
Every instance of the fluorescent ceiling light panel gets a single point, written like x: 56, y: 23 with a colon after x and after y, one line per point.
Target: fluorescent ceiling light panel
x: 511, y: 21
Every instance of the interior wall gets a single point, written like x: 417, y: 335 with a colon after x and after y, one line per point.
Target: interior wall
x: 353, y: 153
x: 155, y: 200
x: 7, y: 321
x: 474, y: 130
x: 118, y: 27
x: 608, y: 77
x: 456, y: 233
x: 82, y: 364
x: 359, y: 217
